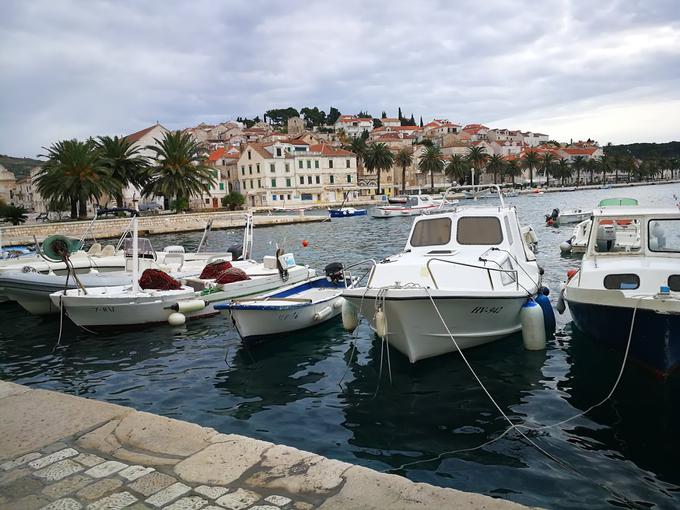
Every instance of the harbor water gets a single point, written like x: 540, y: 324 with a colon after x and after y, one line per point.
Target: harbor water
x: 334, y: 393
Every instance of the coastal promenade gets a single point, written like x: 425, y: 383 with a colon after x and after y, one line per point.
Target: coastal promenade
x: 157, y: 224
x: 62, y: 452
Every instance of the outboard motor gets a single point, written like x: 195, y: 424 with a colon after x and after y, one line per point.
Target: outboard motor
x: 236, y: 251
x: 552, y: 217
x: 334, y: 272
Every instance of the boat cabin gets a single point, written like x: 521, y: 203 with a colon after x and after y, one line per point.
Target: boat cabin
x: 633, y: 249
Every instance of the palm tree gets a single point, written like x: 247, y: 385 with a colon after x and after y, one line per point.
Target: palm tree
x: 563, y: 169
x: 404, y: 158
x: 547, y: 163
x: 456, y: 169
x: 591, y: 165
x: 178, y: 171
x: 477, y: 157
x: 604, y: 164
x: 579, y: 164
x: 530, y: 161
x: 512, y: 169
x: 431, y: 161
x: 124, y: 160
x: 378, y: 157
x: 495, y: 163
x: 74, y: 170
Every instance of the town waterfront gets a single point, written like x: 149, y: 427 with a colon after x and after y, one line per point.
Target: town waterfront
x: 300, y: 391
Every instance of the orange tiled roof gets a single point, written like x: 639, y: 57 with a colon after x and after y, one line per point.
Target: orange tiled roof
x: 215, y: 155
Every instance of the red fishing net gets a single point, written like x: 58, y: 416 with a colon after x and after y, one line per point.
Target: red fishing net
x: 158, y: 280
x: 213, y: 270
x: 231, y: 275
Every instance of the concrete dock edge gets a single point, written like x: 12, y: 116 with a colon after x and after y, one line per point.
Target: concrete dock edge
x: 62, y: 451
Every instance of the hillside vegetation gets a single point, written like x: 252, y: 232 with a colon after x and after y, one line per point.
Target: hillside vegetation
x: 646, y: 150
x: 20, y: 167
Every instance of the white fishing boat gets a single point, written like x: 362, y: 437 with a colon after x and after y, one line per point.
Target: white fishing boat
x: 415, y: 205
x: 564, y: 217
x: 291, y: 308
x: 471, y: 267
x: 626, y: 293
x: 131, y: 305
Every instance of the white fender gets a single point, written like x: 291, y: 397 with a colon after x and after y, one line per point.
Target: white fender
x: 190, y: 305
x: 533, y: 328
x: 381, y: 324
x: 350, y: 317
x: 176, y: 319
x: 323, y: 313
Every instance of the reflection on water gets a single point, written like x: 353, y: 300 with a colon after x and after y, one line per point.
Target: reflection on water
x: 301, y: 391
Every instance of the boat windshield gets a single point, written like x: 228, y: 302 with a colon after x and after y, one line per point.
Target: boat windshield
x: 434, y: 232
x: 664, y: 235
x: 618, y: 235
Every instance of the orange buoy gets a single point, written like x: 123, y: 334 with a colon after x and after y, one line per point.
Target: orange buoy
x: 571, y: 272
x: 305, y: 243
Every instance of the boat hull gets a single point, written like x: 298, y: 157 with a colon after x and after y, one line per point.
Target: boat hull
x: 415, y: 329
x: 655, y: 342
x: 339, y: 213
x: 396, y: 211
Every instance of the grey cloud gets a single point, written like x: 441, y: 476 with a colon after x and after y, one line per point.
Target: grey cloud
x: 76, y: 68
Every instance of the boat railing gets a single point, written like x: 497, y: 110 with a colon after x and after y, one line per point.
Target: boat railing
x: 478, y: 187
x: 347, y: 275
x: 512, y: 272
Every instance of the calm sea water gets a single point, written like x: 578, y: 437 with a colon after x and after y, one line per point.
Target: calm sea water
x: 318, y: 393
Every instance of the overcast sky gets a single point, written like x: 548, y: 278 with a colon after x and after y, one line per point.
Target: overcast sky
x: 609, y: 70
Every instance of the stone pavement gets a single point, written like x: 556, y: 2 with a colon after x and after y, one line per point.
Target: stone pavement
x: 60, y: 452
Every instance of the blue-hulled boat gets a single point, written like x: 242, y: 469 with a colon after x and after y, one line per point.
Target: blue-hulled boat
x: 345, y: 212
x: 292, y: 308
x: 630, y: 280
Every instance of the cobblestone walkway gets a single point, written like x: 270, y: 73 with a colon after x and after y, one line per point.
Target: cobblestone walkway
x: 62, y: 477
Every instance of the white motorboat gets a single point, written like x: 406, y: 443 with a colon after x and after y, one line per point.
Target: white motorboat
x: 564, y: 217
x: 472, y: 265
x: 291, y: 308
x: 130, y: 305
x: 628, y: 285
x: 415, y: 205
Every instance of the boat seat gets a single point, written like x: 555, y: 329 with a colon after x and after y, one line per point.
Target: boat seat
x: 174, y: 259
x: 108, y: 251
x: 95, y: 250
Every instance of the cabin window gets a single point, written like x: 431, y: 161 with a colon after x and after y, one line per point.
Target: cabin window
x: 617, y: 235
x: 674, y: 282
x: 485, y: 230
x: 621, y: 281
x: 664, y: 235
x: 431, y: 232
x: 508, y: 229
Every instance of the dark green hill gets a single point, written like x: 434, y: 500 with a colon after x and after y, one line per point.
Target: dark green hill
x: 20, y: 167
x: 646, y: 150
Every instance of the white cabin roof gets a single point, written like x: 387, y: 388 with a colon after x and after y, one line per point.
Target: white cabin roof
x: 635, y: 211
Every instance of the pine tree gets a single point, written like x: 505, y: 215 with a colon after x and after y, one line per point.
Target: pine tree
x: 412, y: 121
x: 421, y: 121
x: 400, y: 117
x: 383, y: 115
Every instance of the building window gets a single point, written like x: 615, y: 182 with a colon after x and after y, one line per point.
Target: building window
x: 316, y: 163
x: 288, y: 183
x: 332, y: 179
x: 251, y: 184
x: 272, y: 169
x: 250, y: 169
x: 330, y: 163
x: 309, y: 179
x: 221, y: 186
x: 243, y: 170
x: 273, y: 197
x: 259, y: 183
x: 287, y: 167
x: 300, y: 163
x: 281, y: 197
x: 348, y: 163
x: 278, y: 151
x: 318, y: 179
x: 258, y: 168
x: 273, y: 183
x: 349, y: 178
x: 302, y: 179
x: 309, y: 163
x: 288, y: 197
x: 207, y: 201
x: 250, y: 156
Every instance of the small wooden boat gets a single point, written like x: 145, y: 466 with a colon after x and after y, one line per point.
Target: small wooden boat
x: 292, y: 308
x: 344, y: 212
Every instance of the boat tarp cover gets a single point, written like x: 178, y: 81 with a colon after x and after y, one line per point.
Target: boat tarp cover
x: 618, y: 201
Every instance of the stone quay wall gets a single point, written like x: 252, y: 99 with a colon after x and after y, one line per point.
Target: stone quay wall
x: 157, y: 224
